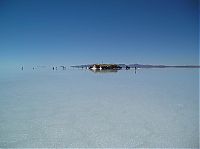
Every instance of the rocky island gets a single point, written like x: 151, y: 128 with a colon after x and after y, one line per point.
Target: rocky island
x: 105, y: 67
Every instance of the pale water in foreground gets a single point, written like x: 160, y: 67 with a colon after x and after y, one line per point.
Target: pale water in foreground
x: 79, y: 108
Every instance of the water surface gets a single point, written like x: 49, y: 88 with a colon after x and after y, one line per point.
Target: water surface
x: 79, y: 108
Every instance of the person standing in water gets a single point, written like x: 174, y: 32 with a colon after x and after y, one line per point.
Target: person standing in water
x: 22, y: 68
x: 53, y: 68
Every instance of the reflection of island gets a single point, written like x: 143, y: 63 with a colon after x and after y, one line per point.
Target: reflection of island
x: 103, y: 71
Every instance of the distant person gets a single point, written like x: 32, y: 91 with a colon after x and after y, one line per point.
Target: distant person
x: 22, y: 68
x: 53, y: 68
x: 33, y: 68
x: 56, y: 68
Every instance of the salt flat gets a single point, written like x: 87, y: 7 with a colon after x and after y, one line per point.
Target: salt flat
x: 79, y: 108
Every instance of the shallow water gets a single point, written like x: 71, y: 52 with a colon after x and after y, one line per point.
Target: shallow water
x: 79, y: 108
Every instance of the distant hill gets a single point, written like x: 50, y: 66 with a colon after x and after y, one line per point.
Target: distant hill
x: 161, y: 66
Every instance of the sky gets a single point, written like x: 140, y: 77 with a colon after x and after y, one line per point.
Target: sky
x: 72, y: 32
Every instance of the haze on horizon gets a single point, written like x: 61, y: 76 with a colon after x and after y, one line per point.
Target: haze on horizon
x: 71, y: 32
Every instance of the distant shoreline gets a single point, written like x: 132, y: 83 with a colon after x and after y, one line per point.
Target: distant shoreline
x: 142, y: 66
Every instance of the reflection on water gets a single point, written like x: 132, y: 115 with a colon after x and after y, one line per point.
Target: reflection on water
x: 104, y: 71
x: 71, y: 108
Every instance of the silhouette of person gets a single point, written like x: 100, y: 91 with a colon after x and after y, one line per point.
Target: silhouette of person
x: 22, y: 68
x: 53, y: 68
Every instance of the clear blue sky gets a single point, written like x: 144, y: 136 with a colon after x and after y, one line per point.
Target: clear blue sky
x: 70, y: 32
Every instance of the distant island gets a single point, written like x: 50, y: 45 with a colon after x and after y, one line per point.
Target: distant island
x: 121, y: 66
